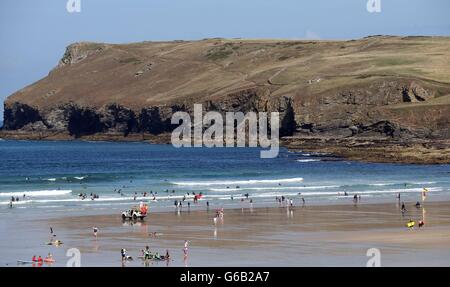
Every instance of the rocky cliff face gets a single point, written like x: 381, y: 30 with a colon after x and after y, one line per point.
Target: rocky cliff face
x: 114, y: 119
x: 377, y: 87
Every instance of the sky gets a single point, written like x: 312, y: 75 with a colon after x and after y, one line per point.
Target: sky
x: 34, y: 33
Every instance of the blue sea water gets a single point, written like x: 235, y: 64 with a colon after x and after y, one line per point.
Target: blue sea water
x: 52, y: 175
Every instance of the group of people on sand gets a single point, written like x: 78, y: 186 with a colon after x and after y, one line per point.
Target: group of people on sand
x: 288, y: 202
x: 411, y: 224
x: 47, y: 259
x: 147, y: 255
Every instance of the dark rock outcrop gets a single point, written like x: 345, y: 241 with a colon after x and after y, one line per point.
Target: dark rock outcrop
x: 19, y: 115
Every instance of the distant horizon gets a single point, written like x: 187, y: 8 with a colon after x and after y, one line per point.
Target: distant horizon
x: 34, y: 34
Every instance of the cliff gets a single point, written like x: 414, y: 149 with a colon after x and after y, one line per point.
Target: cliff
x: 332, y: 96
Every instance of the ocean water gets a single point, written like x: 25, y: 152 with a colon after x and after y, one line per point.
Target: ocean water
x: 51, y: 175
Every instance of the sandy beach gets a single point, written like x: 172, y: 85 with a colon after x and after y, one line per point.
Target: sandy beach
x: 333, y: 235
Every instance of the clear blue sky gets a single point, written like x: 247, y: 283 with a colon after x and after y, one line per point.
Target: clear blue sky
x: 34, y: 33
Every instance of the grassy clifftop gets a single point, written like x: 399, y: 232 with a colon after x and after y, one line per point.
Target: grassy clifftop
x: 382, y: 87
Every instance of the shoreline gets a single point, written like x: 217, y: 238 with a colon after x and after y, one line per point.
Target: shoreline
x: 332, y: 235
x: 371, y: 150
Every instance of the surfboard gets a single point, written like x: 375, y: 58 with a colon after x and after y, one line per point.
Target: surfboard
x: 25, y: 262
x: 151, y: 259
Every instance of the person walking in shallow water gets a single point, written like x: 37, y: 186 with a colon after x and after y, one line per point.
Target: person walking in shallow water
x: 185, y: 248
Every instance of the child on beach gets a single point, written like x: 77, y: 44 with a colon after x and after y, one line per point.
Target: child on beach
x: 95, y: 229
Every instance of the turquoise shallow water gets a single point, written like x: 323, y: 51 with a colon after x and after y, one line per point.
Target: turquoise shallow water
x: 51, y: 175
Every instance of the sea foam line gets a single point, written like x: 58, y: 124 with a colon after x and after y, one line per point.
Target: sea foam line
x: 237, y: 182
x: 308, y: 160
x: 274, y: 188
x: 36, y: 193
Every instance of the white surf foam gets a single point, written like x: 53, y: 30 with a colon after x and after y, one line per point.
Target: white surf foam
x: 308, y: 160
x: 274, y: 188
x: 36, y: 193
x: 238, y: 182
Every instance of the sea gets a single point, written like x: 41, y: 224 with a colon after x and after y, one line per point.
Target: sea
x: 54, y: 175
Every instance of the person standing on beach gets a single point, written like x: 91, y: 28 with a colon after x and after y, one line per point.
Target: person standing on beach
x: 51, y: 234
x: 167, y: 257
x: 185, y: 249
x: 95, y: 229
x: 403, y: 209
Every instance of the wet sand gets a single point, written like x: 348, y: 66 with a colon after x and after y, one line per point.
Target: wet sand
x: 334, y: 235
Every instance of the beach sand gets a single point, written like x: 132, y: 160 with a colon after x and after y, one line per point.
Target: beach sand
x: 333, y: 235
